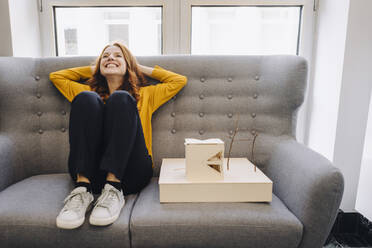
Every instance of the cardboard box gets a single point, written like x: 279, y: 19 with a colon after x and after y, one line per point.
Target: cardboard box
x: 204, y: 159
x: 240, y: 184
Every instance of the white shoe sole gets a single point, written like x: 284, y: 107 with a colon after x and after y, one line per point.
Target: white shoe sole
x: 72, y: 224
x: 104, y: 221
x: 69, y: 224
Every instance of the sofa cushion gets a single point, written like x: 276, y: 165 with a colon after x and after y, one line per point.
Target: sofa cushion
x: 211, y: 224
x: 28, y: 211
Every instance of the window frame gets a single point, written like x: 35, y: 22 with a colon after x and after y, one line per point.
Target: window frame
x: 306, y: 22
x: 48, y: 25
x: 176, y: 20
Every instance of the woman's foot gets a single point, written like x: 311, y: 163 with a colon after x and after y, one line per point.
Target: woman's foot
x: 108, y: 206
x: 77, y: 203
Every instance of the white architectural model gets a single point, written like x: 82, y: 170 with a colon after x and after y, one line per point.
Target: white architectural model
x: 240, y: 184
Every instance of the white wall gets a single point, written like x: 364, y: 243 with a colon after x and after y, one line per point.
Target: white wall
x: 364, y: 199
x: 342, y: 86
x: 6, y: 48
x: 354, y: 104
x: 24, y: 22
x: 328, y: 60
x: 354, y: 98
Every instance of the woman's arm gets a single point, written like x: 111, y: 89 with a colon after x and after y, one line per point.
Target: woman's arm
x: 145, y: 69
x: 66, y: 81
x: 171, y: 84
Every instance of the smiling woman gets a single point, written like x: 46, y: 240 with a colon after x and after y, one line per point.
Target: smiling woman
x: 110, y: 131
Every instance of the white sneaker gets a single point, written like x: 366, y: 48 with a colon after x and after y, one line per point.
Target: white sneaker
x: 107, y: 207
x: 72, y: 214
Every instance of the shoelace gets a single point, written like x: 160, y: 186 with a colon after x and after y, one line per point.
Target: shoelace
x: 73, y: 201
x: 106, y: 199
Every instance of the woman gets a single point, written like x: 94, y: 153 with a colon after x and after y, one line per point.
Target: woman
x: 110, y: 131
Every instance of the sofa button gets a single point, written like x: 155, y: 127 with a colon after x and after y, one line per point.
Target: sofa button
x: 38, y: 95
x: 230, y: 115
x: 257, y: 78
x: 39, y: 113
x: 63, y: 112
x: 201, y: 96
x: 202, y: 79
x: 37, y: 78
x: 229, y: 96
x: 253, y: 115
x: 255, y: 96
x: 229, y: 79
x: 173, y: 114
x: 63, y: 129
x: 173, y: 131
x: 40, y: 131
x: 201, y: 131
x: 201, y: 114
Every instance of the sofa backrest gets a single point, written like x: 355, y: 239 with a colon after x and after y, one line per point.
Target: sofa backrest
x: 265, y: 91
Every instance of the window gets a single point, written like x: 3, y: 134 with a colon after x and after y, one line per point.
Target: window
x: 154, y: 27
x: 91, y: 28
x: 245, y: 30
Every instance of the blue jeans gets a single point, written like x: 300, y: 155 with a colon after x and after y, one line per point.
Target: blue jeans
x: 108, y: 138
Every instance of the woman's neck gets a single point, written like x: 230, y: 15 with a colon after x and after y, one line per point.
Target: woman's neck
x: 114, y: 83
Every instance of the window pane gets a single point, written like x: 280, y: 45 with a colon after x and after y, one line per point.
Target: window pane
x: 119, y: 32
x: 245, y: 30
x: 86, y: 30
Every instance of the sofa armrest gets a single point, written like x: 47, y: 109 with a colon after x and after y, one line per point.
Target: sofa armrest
x: 7, y: 154
x: 309, y: 185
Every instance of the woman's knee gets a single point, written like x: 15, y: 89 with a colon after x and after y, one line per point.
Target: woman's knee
x: 121, y: 96
x: 86, y: 95
x: 88, y: 98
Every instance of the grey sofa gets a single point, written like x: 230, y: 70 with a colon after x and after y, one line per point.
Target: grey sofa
x: 265, y: 90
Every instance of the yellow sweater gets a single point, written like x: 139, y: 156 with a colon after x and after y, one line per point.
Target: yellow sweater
x: 151, y: 97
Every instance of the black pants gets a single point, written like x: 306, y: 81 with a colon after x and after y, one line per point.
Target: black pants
x: 108, y: 138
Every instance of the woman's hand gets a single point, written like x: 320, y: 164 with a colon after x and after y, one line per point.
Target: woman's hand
x: 145, y: 69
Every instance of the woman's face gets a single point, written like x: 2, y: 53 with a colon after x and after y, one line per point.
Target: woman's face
x: 113, y: 62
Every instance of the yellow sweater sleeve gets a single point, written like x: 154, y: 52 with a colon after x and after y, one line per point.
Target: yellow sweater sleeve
x: 171, y: 84
x: 66, y: 81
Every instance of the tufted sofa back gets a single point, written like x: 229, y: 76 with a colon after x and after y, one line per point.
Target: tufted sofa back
x: 265, y: 91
